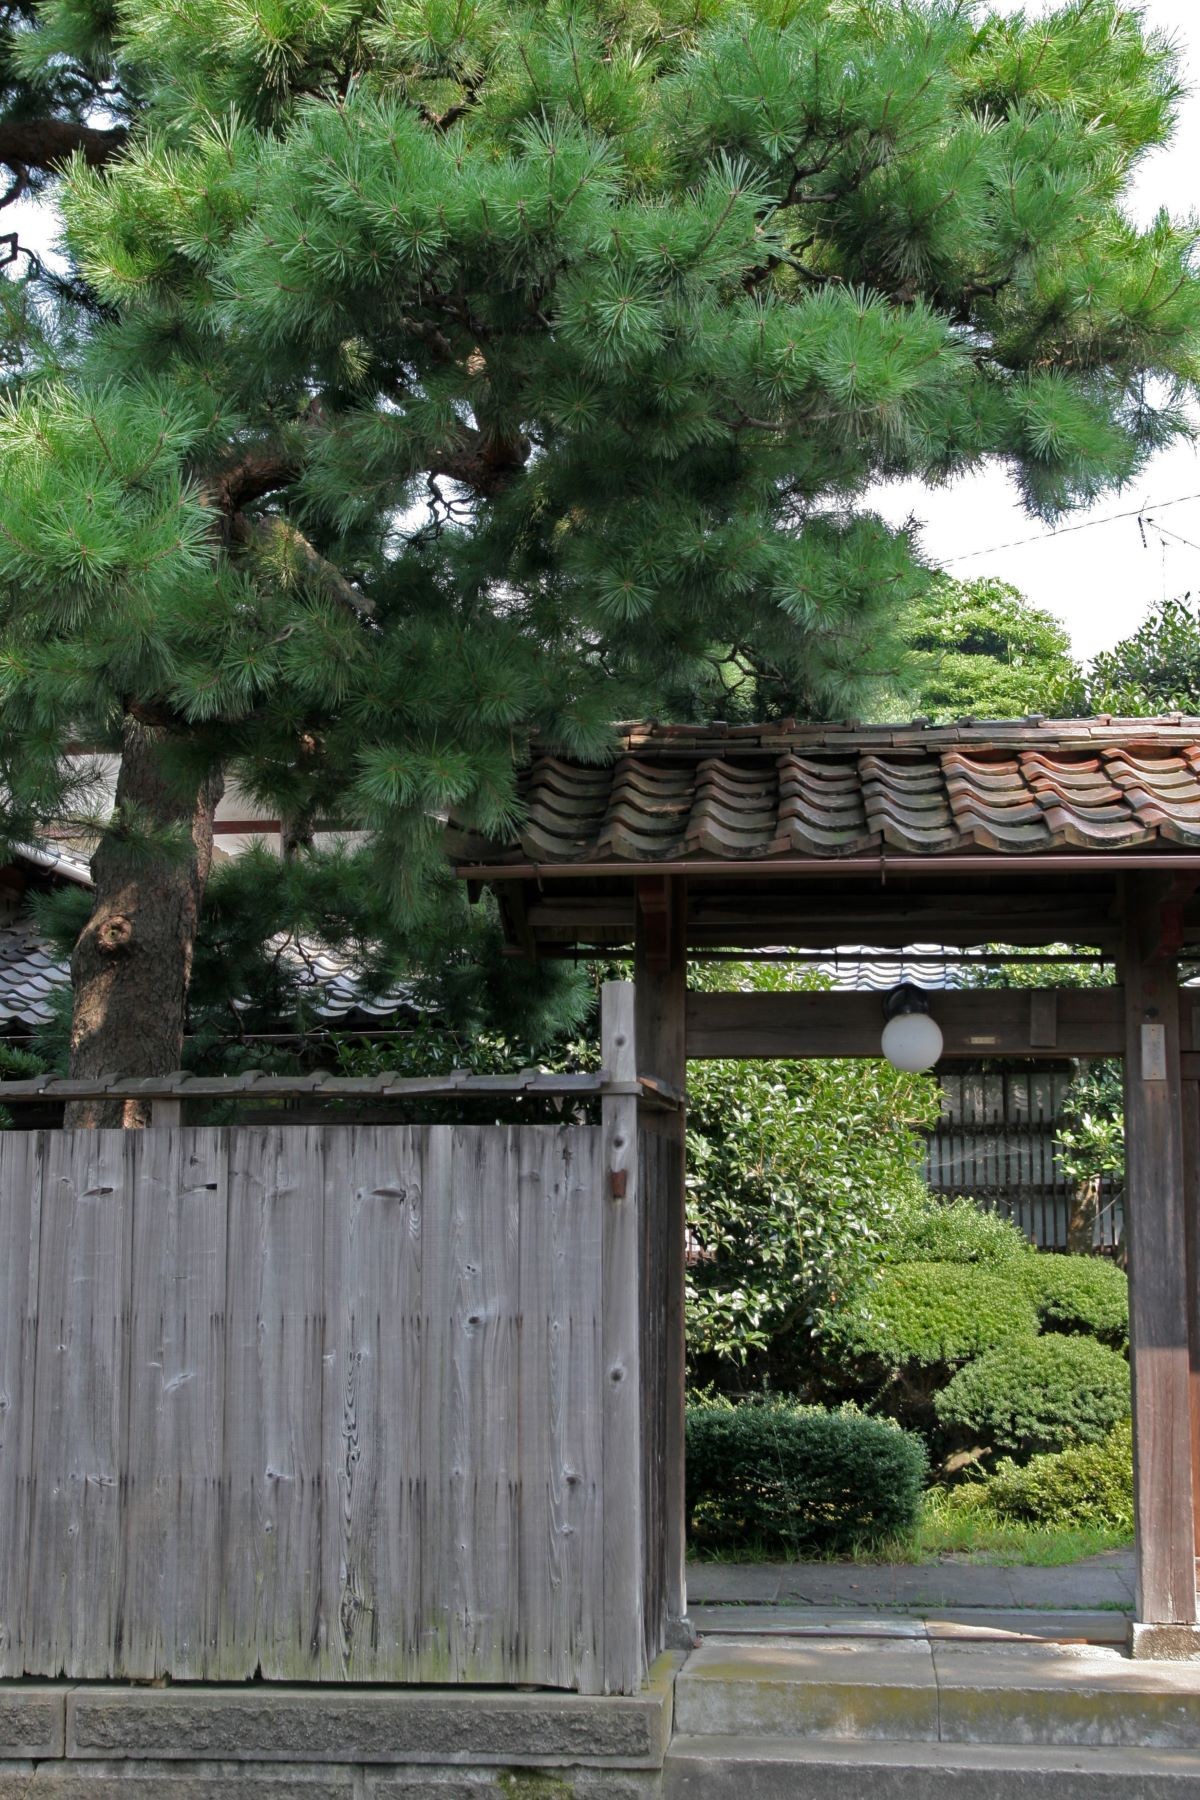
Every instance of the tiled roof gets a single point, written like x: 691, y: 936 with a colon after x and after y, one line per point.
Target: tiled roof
x: 31, y: 973
x: 760, y: 792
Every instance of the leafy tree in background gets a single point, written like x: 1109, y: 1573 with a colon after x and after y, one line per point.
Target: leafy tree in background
x: 978, y: 648
x: 427, y: 375
x: 1154, y: 670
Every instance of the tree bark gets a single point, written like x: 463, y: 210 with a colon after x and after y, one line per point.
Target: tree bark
x: 132, y: 962
x: 1081, y: 1220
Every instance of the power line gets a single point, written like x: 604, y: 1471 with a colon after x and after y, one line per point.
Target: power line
x: 1040, y: 537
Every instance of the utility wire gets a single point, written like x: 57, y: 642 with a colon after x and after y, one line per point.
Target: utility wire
x: 1040, y: 537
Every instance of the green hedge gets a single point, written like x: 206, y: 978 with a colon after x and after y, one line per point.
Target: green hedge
x: 1079, y: 1293
x: 1090, y: 1484
x: 1037, y: 1394
x: 782, y: 1476
x: 932, y: 1313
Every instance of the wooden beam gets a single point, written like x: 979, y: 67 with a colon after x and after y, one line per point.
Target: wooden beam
x: 975, y: 1023
x: 660, y: 971
x: 1155, y: 1213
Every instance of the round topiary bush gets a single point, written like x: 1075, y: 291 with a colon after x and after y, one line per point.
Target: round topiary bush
x: 1079, y: 1293
x: 936, y: 1313
x: 926, y: 1229
x: 1037, y: 1394
x: 798, y: 1478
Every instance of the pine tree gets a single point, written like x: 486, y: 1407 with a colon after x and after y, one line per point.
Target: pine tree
x: 435, y: 372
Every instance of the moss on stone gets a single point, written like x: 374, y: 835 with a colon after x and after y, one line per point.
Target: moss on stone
x: 534, y: 1784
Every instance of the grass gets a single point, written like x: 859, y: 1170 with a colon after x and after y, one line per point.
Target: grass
x: 942, y: 1533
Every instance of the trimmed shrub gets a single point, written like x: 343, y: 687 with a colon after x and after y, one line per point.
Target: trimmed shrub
x: 1037, y: 1394
x: 936, y: 1313
x: 773, y: 1473
x: 1079, y: 1293
x: 925, y: 1229
x: 1090, y: 1484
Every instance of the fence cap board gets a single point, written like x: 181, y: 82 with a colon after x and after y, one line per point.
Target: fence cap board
x: 458, y: 1084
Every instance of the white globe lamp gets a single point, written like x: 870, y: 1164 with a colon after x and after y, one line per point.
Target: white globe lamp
x: 911, y: 1039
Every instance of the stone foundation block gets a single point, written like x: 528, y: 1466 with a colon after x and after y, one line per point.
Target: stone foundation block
x: 1164, y: 1643
x: 32, y: 1720
x: 514, y: 1784
x: 15, y: 1778
x: 187, y: 1781
x: 364, y: 1725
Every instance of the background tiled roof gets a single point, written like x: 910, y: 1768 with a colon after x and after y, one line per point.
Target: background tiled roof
x: 784, y: 791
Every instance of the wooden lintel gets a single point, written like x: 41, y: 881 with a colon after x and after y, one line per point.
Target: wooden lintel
x: 975, y: 1023
x: 1043, y: 1017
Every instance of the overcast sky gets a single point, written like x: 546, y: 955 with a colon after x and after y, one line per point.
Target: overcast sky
x: 1099, y: 581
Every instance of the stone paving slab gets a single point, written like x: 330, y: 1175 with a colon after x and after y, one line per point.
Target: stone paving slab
x: 882, y: 1688
x: 968, y: 1624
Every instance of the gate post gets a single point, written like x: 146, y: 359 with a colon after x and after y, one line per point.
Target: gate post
x: 660, y: 965
x: 621, y: 1359
x: 1159, y: 1307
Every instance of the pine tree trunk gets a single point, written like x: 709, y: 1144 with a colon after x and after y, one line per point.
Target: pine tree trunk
x: 132, y: 962
x: 1081, y: 1220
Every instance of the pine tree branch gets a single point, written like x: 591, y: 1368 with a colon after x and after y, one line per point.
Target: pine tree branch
x: 48, y: 144
x: 253, y: 477
x: 486, y: 465
x: 317, y: 568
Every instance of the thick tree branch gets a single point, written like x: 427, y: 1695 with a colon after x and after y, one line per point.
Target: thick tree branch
x: 47, y: 144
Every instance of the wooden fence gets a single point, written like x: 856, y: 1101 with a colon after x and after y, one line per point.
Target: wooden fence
x: 996, y: 1141
x: 350, y: 1403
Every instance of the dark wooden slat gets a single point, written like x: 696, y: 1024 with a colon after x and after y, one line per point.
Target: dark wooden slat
x: 976, y: 1023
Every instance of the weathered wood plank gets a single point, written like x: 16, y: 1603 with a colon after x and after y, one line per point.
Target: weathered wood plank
x: 1158, y: 1301
x: 20, y: 1243
x: 488, y: 1180
x: 442, y: 1412
x: 371, y: 1421
x: 74, y: 1625
x: 624, y: 1634
x: 559, y: 1448
x: 170, y: 1601
x: 271, y: 1613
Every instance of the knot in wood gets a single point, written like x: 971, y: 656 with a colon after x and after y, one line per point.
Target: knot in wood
x: 115, y: 934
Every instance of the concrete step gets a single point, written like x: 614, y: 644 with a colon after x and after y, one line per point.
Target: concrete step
x: 722, y: 1768
x: 911, y: 1690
